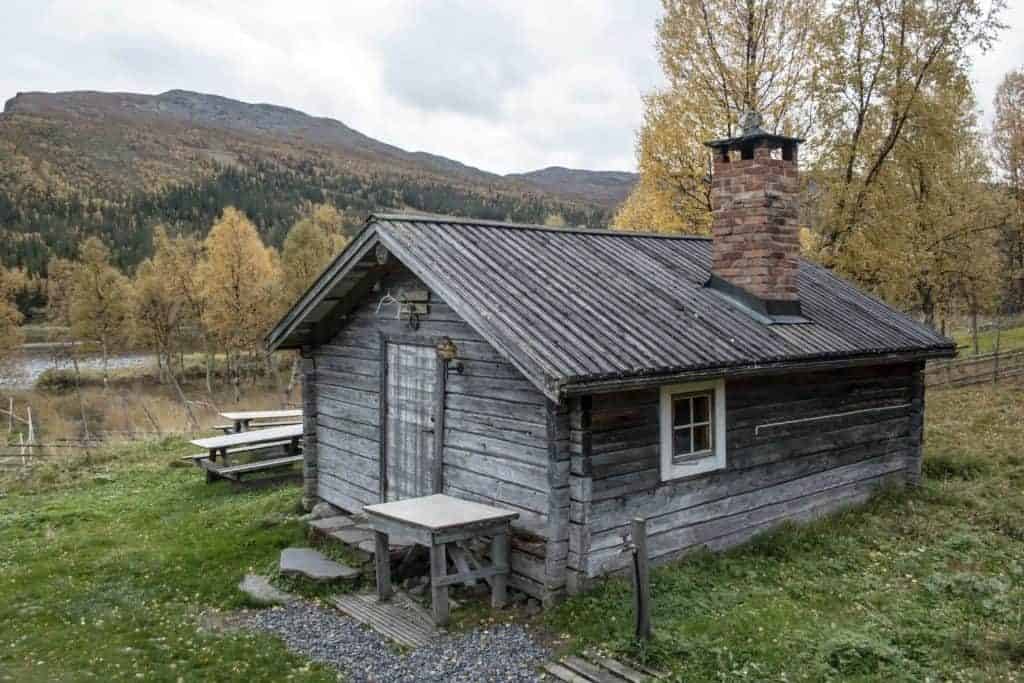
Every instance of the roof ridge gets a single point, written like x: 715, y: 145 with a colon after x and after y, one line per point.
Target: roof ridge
x: 483, y: 222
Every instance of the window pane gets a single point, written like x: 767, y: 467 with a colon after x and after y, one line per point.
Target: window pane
x: 702, y: 438
x: 701, y: 408
x: 681, y: 411
x: 681, y: 441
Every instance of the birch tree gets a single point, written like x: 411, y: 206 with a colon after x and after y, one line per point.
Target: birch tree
x: 239, y: 281
x: 721, y: 58
x: 99, y: 303
x: 10, y: 318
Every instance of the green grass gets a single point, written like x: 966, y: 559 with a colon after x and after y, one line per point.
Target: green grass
x: 1010, y: 339
x: 106, y: 569
x: 925, y: 586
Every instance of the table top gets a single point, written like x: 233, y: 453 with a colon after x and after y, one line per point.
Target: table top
x: 260, y: 414
x: 438, y: 512
x: 253, y: 436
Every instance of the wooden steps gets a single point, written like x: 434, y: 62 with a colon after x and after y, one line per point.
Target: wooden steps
x: 595, y: 668
x: 400, y: 619
x: 259, y: 465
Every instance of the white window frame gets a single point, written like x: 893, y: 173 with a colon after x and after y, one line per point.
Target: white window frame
x: 715, y: 458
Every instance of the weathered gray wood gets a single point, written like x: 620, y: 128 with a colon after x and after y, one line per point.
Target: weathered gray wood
x: 625, y: 673
x: 259, y: 466
x: 499, y: 557
x: 260, y: 436
x: 590, y: 672
x: 566, y: 675
x: 438, y: 590
x: 382, y: 563
x: 401, y: 619
x: 411, y: 397
x: 641, y: 582
x: 440, y: 389
x: 439, y: 512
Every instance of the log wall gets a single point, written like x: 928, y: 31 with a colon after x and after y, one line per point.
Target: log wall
x: 495, y: 438
x: 776, y: 473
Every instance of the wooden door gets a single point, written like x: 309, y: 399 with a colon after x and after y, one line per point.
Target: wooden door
x: 409, y: 426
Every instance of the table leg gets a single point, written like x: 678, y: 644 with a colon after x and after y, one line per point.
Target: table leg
x: 382, y: 561
x: 499, y: 558
x: 438, y: 594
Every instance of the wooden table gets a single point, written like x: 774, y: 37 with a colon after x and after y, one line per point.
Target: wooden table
x: 258, y: 439
x: 435, y: 521
x: 243, y: 419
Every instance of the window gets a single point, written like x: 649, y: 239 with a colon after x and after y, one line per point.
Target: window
x: 692, y: 428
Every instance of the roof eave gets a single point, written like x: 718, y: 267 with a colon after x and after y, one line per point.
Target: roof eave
x: 599, y: 384
x: 278, y: 336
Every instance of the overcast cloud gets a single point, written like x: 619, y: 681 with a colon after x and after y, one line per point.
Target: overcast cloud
x: 504, y: 85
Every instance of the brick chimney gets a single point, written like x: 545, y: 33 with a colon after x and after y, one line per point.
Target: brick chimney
x: 754, y: 220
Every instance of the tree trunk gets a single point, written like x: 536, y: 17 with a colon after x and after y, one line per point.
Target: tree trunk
x: 78, y: 392
x: 106, y: 378
x: 291, y: 382
x: 995, y: 359
x: 974, y: 324
x: 209, y: 364
x: 193, y: 423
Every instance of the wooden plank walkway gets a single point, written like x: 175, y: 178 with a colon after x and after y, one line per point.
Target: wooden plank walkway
x: 401, y: 618
x: 595, y: 668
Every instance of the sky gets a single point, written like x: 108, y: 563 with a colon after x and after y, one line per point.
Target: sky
x: 504, y: 85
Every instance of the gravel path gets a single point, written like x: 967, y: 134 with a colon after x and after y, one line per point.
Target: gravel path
x: 505, y: 653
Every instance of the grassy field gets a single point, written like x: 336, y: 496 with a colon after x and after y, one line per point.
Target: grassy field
x: 1010, y: 339
x: 107, y: 568
x: 105, y: 571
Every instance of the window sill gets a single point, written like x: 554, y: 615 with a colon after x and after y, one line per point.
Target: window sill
x: 692, y: 467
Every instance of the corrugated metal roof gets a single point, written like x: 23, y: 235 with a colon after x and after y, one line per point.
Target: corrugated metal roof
x: 571, y: 306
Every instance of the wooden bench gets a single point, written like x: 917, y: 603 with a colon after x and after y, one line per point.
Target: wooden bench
x: 243, y: 420
x: 241, y: 449
x: 257, y: 440
x: 232, y: 429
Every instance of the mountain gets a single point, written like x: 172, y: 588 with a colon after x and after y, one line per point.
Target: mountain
x: 605, y: 187
x: 115, y: 164
x: 181, y: 110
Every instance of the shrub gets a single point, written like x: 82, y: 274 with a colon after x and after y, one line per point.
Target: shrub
x: 56, y: 381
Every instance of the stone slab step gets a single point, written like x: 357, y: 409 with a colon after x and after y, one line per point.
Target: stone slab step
x: 259, y: 589
x: 329, y: 524
x: 352, y: 535
x: 400, y: 619
x: 312, y: 565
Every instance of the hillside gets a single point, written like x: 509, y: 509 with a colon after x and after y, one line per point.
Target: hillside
x: 115, y: 164
x: 605, y: 187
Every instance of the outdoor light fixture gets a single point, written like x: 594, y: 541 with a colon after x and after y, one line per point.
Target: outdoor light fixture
x: 447, y: 351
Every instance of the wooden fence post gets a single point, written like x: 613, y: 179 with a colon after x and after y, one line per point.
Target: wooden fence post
x: 641, y: 581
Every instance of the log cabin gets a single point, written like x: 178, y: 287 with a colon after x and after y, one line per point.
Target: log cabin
x: 583, y: 378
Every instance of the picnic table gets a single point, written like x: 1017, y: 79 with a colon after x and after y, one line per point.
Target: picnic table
x: 435, y: 522
x: 243, y: 420
x: 287, y: 437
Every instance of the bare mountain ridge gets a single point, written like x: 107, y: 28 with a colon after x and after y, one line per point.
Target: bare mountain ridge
x: 183, y: 110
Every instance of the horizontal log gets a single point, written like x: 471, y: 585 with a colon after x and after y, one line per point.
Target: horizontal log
x: 496, y: 490
x: 516, y: 431
x: 495, y: 445
x: 347, y: 411
x: 744, y: 525
x: 752, y: 499
x: 530, y: 475
x: 348, y: 426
